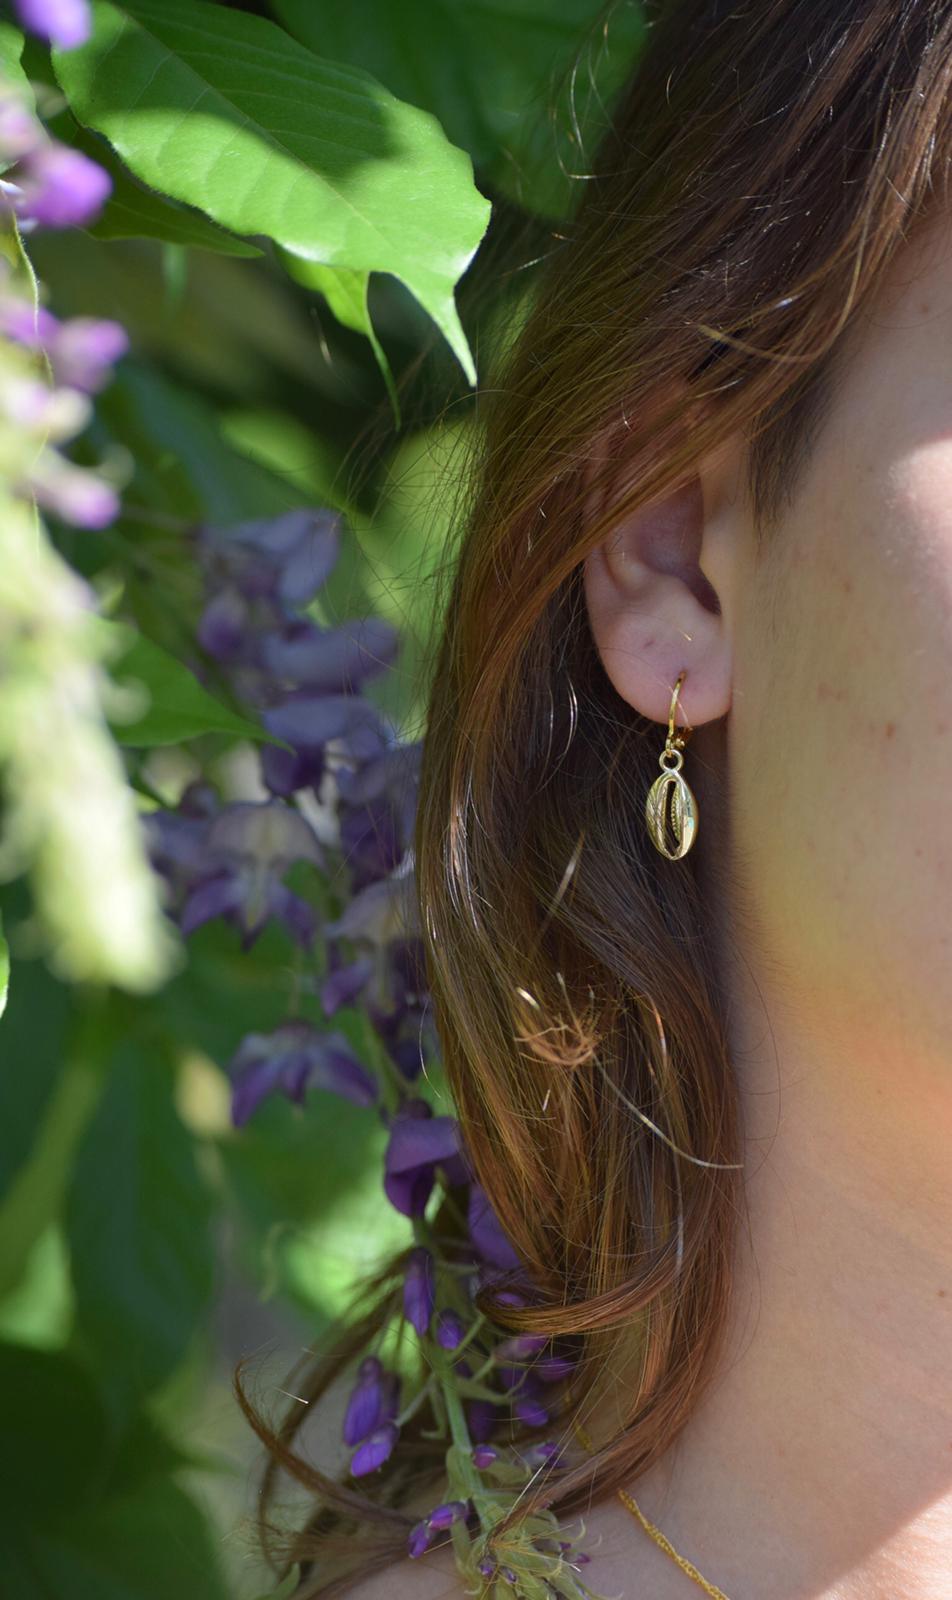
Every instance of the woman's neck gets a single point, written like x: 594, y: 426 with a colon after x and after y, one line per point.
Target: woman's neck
x: 819, y: 1464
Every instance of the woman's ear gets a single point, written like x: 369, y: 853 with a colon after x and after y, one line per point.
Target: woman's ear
x: 660, y: 592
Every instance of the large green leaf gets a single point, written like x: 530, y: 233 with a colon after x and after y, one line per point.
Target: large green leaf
x: 497, y: 73
x: 135, y: 212
x: 184, y: 466
x: 178, y: 707
x: 35, y: 1031
x: 227, y: 112
x: 346, y: 294
x: 4, y: 971
x: 138, y: 1219
x: 56, y: 1440
x: 11, y: 72
x: 152, y: 1543
x: 46, y: 1110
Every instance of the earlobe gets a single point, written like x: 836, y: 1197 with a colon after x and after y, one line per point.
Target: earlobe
x: 655, y: 613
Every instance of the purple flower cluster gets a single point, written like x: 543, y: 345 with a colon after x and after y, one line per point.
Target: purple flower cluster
x: 230, y: 861
x: 81, y: 351
x: 338, y: 768
x: 80, y: 354
x: 47, y: 184
x: 294, y: 1058
x: 369, y: 1419
x: 337, y: 801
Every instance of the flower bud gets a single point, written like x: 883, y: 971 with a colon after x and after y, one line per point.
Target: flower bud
x: 450, y: 1330
x: 445, y: 1515
x: 418, y: 1290
x: 419, y: 1539
x: 373, y: 1452
x: 64, y: 23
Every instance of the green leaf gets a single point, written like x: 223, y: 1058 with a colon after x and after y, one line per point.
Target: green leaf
x: 145, y: 1453
x: 135, y: 212
x: 4, y: 971
x: 56, y: 1439
x: 138, y: 1218
x: 35, y: 1029
x: 346, y: 294
x: 47, y: 1122
x: 226, y: 112
x: 11, y: 49
x: 184, y: 466
x: 152, y: 1543
x: 497, y: 74
x: 179, y: 708
x: 39, y: 1311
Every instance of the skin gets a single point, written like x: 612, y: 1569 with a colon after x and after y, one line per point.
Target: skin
x: 819, y: 1466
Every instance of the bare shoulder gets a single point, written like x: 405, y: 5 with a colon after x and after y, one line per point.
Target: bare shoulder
x: 433, y: 1577
x: 624, y: 1562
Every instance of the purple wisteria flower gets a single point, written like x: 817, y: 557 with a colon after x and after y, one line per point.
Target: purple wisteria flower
x: 487, y: 1233
x: 64, y: 23
x: 330, y: 661
x: 30, y: 325
x: 443, y: 1516
x: 450, y: 1329
x: 419, y: 1289
x: 482, y: 1417
x: 378, y: 805
x: 75, y: 495
x: 380, y: 922
x: 56, y: 187
x: 294, y: 1058
x: 84, y: 350
x: 285, y: 559
x: 240, y: 856
x: 344, y: 979
x: 307, y: 684
x: 374, y: 1451
x: 20, y: 132
x: 47, y: 182
x: 369, y: 1421
x: 309, y: 722
x: 419, y: 1142
x: 419, y: 1539
x: 373, y: 1401
x: 530, y: 1411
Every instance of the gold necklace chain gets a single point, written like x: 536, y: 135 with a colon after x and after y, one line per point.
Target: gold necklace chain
x: 630, y: 1504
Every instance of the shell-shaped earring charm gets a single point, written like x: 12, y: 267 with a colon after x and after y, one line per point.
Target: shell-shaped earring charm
x: 672, y: 788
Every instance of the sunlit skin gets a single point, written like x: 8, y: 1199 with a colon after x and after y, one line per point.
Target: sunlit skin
x: 819, y: 1467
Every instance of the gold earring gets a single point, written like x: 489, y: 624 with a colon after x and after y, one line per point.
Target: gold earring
x: 683, y: 803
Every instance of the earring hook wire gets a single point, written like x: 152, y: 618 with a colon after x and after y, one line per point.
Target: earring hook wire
x: 677, y: 740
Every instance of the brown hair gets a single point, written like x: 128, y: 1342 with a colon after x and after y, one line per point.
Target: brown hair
x: 761, y: 171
